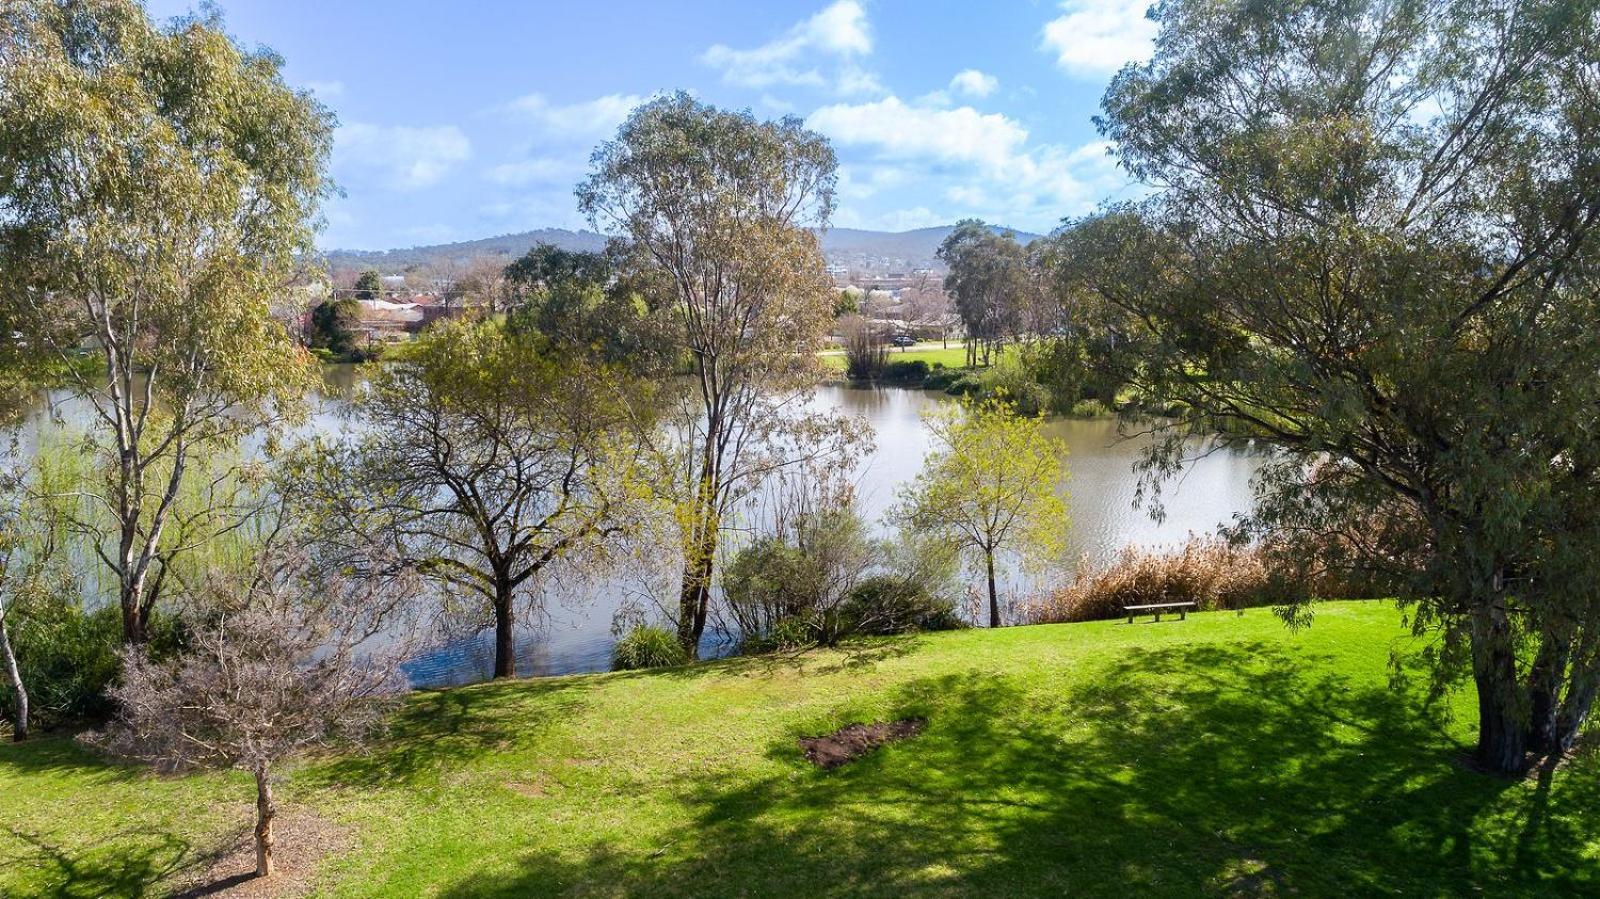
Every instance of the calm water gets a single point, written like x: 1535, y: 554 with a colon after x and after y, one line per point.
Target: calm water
x: 573, y: 632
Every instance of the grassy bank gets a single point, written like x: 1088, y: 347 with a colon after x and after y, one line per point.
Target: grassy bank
x: 1221, y: 755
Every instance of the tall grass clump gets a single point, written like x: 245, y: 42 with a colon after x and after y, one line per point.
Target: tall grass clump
x: 1207, y: 571
x: 647, y: 646
x: 866, y: 350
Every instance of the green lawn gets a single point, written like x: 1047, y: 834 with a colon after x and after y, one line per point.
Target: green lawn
x: 953, y: 356
x: 1222, y: 755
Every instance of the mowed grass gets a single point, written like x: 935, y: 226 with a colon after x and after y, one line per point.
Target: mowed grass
x: 1223, y: 755
x: 953, y: 356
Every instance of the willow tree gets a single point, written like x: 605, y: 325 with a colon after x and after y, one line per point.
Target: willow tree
x: 156, y: 187
x: 1371, y: 244
x: 989, y: 488
x: 723, y: 207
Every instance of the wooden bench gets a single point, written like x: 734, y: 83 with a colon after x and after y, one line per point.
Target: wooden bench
x: 1159, y: 609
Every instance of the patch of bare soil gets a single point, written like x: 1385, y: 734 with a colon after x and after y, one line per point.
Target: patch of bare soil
x: 853, y: 741
x: 303, y: 838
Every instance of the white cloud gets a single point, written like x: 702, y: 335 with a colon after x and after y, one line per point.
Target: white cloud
x: 399, y: 156
x: 902, y: 131
x: 974, y: 83
x: 1096, y: 37
x: 585, y: 122
x: 327, y: 90
x: 839, y: 32
x: 984, y: 164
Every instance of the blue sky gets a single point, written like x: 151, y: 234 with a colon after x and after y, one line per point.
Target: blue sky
x: 474, y: 118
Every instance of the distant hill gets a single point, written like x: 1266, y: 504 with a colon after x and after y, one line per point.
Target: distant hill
x: 877, y: 250
x: 509, y: 246
x: 873, y: 251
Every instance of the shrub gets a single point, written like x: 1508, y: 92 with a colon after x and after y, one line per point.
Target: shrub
x: 913, y: 372
x: 1090, y: 409
x: 1010, y: 379
x: 788, y: 633
x: 68, y: 658
x: 785, y: 589
x: 1207, y: 571
x: 941, y: 378
x: 883, y: 604
x: 647, y: 646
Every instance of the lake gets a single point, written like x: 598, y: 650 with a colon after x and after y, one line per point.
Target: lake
x: 573, y: 633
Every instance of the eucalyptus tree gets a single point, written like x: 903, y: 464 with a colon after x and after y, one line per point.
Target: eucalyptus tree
x: 722, y: 207
x: 485, y: 458
x: 990, y: 282
x: 157, y: 185
x: 1371, y: 244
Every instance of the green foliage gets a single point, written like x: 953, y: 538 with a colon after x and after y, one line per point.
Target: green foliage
x: 847, y: 303
x: 885, y: 604
x: 943, y: 378
x: 1008, y: 381
x: 910, y: 373
x: 647, y: 646
x: 68, y: 656
x: 369, y: 285
x: 333, y: 329
x: 989, y: 486
x: 785, y: 589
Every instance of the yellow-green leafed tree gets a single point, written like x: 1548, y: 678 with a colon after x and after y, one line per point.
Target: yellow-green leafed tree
x: 991, y: 486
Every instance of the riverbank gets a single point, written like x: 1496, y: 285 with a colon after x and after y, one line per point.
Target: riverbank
x: 1223, y: 755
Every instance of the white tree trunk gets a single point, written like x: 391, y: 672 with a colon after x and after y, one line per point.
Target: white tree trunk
x: 20, y: 731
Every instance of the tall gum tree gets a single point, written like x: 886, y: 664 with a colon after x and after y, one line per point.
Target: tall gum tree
x: 723, y: 207
x: 1371, y: 244
x: 157, y: 187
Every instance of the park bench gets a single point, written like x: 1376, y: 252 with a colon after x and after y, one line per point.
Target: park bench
x: 1158, y: 609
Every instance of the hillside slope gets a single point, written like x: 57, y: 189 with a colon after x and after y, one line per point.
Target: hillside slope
x: 1221, y: 755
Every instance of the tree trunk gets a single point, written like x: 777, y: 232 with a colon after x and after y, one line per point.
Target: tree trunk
x: 133, y: 621
x: 1545, y: 679
x: 266, y: 810
x: 695, y: 598
x: 1575, y: 710
x: 1502, y: 732
x: 994, y: 595
x: 505, y: 657
x: 20, y: 729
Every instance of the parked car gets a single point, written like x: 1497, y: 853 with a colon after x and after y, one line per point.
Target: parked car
x: 903, y: 340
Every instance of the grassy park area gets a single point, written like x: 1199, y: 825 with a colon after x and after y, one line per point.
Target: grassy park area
x: 1220, y: 755
x: 933, y: 353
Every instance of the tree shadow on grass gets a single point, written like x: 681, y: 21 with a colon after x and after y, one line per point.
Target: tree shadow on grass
x: 1237, y: 769
x: 129, y: 862
x: 437, y: 731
